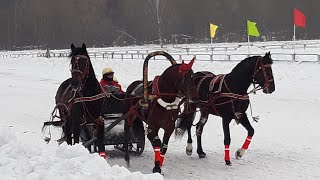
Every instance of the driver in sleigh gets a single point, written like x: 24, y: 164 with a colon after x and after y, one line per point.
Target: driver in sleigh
x: 113, y: 91
x: 109, y: 83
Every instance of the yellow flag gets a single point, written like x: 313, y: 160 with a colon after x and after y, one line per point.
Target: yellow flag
x: 252, y: 29
x: 213, y: 30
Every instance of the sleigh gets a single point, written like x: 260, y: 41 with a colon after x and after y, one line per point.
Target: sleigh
x: 113, y: 118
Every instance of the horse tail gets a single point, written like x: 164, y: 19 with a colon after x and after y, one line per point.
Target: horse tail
x: 184, y: 121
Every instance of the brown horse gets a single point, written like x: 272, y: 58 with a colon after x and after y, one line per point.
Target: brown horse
x: 159, y: 108
x: 79, y: 101
x: 226, y: 96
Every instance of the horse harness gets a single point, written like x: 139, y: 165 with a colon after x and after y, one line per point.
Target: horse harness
x: 75, y: 66
x: 215, y: 92
x: 67, y: 100
x: 157, y: 96
x: 260, y: 66
x: 218, y: 82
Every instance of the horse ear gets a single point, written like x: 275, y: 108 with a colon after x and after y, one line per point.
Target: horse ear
x: 191, y: 62
x: 83, y: 46
x: 72, y: 46
x: 182, y: 67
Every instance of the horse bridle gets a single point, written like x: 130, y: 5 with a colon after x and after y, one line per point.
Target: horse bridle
x: 75, y: 66
x: 261, y: 67
x: 183, y: 74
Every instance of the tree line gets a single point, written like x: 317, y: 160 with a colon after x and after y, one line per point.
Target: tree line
x: 101, y: 23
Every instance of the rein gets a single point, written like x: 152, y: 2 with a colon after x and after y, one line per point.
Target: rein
x: 90, y: 98
x: 260, y: 66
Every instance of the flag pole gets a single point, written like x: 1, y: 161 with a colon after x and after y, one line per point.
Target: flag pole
x: 248, y: 45
x: 294, y: 39
x: 294, y: 33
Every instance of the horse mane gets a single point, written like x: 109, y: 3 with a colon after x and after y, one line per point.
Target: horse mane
x: 169, y: 69
x: 247, y: 62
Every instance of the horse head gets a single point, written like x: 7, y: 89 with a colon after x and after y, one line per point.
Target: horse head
x: 185, y: 82
x: 263, y: 75
x: 80, y: 64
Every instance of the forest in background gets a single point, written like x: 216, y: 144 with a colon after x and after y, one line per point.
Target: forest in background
x: 27, y: 24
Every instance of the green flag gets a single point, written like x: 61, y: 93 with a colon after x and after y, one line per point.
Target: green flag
x: 252, y: 29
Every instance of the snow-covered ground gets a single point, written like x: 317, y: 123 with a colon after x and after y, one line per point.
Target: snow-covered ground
x: 284, y: 145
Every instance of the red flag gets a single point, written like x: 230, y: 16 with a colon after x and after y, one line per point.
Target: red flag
x: 299, y: 18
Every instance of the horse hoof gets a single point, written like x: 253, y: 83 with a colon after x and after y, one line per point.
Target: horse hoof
x: 202, y: 155
x: 128, y: 164
x: 156, y: 170
x: 189, y: 152
x: 239, y: 154
x: 228, y: 163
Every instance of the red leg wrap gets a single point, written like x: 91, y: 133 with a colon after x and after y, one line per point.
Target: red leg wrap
x: 247, y: 142
x: 103, y: 154
x: 226, y: 153
x: 161, y: 159
x: 157, y: 154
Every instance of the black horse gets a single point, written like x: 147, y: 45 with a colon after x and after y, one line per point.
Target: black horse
x: 226, y: 96
x: 79, y: 100
x: 175, y: 82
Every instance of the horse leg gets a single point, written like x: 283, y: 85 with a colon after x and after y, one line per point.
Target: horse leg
x: 203, y: 120
x: 127, y: 129
x: 245, y: 123
x: 75, y: 124
x: 189, y: 143
x: 164, y: 145
x: 99, y: 126
x: 67, y: 130
x: 187, y: 118
x: 156, y: 144
x: 227, y: 140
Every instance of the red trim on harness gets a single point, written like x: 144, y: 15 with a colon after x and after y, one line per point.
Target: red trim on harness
x: 91, y: 98
x: 216, y: 93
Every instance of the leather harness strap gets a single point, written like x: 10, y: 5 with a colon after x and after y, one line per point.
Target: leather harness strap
x: 91, y: 98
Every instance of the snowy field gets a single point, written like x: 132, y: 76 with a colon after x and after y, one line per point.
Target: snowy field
x: 284, y: 145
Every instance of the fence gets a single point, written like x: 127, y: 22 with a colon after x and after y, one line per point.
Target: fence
x: 202, y: 52
x: 298, y: 57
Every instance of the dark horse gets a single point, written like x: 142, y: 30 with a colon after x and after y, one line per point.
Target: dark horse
x: 79, y: 100
x: 226, y: 96
x: 159, y: 108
